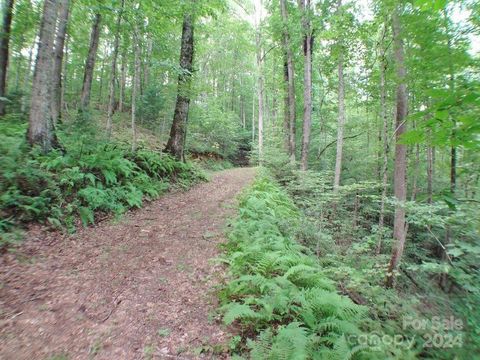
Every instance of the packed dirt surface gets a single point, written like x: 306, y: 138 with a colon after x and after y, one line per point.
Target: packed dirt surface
x: 141, y: 288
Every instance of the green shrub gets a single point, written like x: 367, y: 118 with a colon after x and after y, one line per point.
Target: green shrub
x: 90, y: 176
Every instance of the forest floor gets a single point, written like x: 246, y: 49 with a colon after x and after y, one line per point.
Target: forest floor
x: 138, y: 288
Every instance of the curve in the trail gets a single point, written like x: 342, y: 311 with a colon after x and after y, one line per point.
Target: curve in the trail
x: 138, y: 288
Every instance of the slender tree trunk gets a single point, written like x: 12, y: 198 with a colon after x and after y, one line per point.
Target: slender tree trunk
x: 25, y: 85
x: 253, y: 117
x: 453, y: 146
x: 290, y: 113
x: 384, y: 137
x: 341, y: 125
x: 400, y: 189
x: 90, y: 63
x: 100, y: 88
x: 63, y: 105
x: 341, y: 115
x: 41, y: 130
x: 176, y: 142
x: 63, y: 13
x: 136, y: 87
x: 111, y: 93
x: 430, y: 174
x: 4, y: 51
x: 123, y: 79
x: 260, y: 89
x: 307, y: 79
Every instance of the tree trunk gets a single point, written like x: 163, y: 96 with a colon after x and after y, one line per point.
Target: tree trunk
x: 260, y: 90
x: 123, y: 79
x: 136, y: 86
x: 253, y: 117
x: 147, y: 64
x: 386, y: 147
x: 4, y: 45
x: 399, y: 233
x: 341, y: 115
x: 63, y: 104
x: 111, y: 94
x: 63, y: 13
x: 430, y: 155
x: 176, y: 142
x: 90, y: 63
x: 307, y: 79
x: 290, y: 113
x: 25, y: 85
x: 41, y: 130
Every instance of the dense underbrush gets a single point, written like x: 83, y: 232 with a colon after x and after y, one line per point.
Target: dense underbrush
x: 284, y: 305
x: 306, y: 281
x: 88, y: 177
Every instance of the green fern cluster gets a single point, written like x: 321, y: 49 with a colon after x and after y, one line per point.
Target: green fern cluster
x: 89, y: 176
x: 278, y: 290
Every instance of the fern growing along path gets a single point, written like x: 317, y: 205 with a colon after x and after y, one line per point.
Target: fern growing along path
x: 141, y: 288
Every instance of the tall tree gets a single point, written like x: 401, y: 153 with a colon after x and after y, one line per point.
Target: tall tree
x: 41, y: 130
x: 90, y: 63
x: 113, y: 73
x: 136, y: 85
x: 307, y: 81
x: 4, y: 52
x: 63, y: 13
x: 341, y: 110
x: 384, y: 137
x: 260, y: 80
x: 123, y: 80
x: 400, y: 188
x: 176, y: 142
x: 290, y: 114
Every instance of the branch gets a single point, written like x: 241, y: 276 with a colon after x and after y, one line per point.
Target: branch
x: 334, y: 141
x: 265, y: 54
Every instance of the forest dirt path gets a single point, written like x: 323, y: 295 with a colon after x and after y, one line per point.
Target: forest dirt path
x: 137, y: 289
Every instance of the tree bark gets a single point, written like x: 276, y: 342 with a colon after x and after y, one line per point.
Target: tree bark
x: 90, y: 63
x: 307, y: 79
x: 176, y: 142
x: 63, y: 104
x: 25, y: 85
x: 290, y: 113
x: 341, y: 115
x: 123, y: 80
x: 147, y: 64
x: 400, y: 190
x: 136, y: 87
x: 111, y: 94
x: 386, y: 147
x: 41, y: 130
x: 260, y: 90
x: 430, y: 151
x: 4, y: 50
x: 63, y: 13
